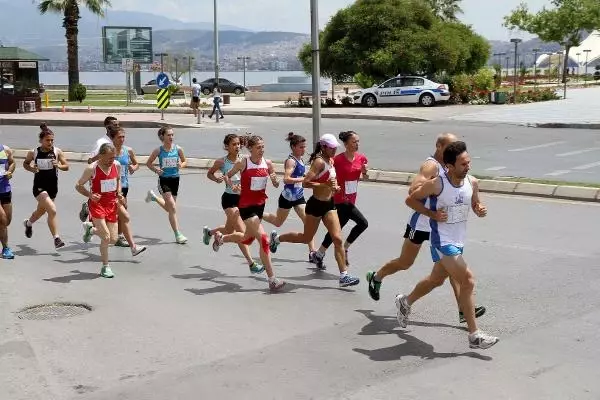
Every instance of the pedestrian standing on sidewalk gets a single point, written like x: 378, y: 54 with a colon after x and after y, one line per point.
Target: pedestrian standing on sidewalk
x: 216, y: 102
x: 196, y: 88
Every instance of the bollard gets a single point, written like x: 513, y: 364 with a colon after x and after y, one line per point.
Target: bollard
x: 89, y: 109
x: 63, y: 108
x: 200, y: 116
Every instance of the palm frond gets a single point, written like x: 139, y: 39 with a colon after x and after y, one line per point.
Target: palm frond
x: 97, y: 6
x: 53, y: 6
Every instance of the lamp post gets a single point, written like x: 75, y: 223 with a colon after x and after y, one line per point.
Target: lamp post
x: 516, y: 41
x: 216, y: 41
x: 578, y: 64
x: 316, y: 70
x: 176, y: 69
x: 190, y: 59
x: 587, y: 53
x: 535, y: 53
x: 559, y: 67
x: 162, y: 55
x: 507, y: 59
x: 500, y: 62
x: 244, y: 59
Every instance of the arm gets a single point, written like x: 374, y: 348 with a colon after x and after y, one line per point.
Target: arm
x: 365, y: 168
x: 272, y: 174
x: 478, y: 207
x: 287, y: 174
x: 94, y: 154
x: 133, y: 163
x: 27, y: 163
x: 315, y: 168
x: 62, y: 161
x: 428, y: 170
x: 85, y: 178
x: 218, y: 164
x: 11, y: 163
x: 150, y: 162
x: 432, y: 187
x: 120, y: 197
x: 183, y: 161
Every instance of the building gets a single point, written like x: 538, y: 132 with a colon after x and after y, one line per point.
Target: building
x: 577, y: 55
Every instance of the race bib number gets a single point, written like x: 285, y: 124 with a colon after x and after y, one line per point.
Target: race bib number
x: 45, y: 164
x: 108, y: 185
x: 351, y: 187
x: 171, y: 162
x: 258, y: 183
x: 458, y: 213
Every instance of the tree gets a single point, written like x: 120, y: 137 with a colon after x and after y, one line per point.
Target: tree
x: 381, y: 38
x: 563, y: 24
x: 70, y: 10
x: 177, y: 65
x: 446, y: 10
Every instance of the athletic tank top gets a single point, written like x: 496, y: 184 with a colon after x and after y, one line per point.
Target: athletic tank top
x: 295, y: 191
x: 420, y: 222
x: 105, y: 184
x: 4, y: 181
x: 348, y: 174
x: 124, y: 160
x: 456, y: 201
x: 235, y: 180
x: 48, y: 173
x: 328, y: 172
x: 254, y: 184
x: 168, y: 161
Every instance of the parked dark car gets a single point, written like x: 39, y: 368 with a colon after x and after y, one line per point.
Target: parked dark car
x: 225, y: 85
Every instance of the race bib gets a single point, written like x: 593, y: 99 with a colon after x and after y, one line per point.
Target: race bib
x: 108, y: 185
x: 258, y: 183
x: 170, y: 162
x: 458, y: 213
x: 45, y: 164
x: 351, y: 187
x: 298, y: 185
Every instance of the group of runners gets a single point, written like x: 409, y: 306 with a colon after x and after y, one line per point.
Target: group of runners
x: 440, y: 198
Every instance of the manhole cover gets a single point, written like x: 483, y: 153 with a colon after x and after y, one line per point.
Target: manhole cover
x: 53, y: 311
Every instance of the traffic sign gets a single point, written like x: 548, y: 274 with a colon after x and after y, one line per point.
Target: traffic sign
x: 162, y: 80
x: 127, y: 64
x: 163, y: 99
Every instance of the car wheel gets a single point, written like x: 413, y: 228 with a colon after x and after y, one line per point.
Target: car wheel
x: 369, y: 100
x: 427, y: 100
x: 206, y: 91
x: 237, y: 91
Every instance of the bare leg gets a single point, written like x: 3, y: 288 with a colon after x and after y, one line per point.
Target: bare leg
x: 332, y: 223
x: 277, y: 219
x: 436, y: 278
x: 407, y: 258
x: 311, y: 225
x: 171, y: 208
x: 124, y: 226
x: 300, y: 211
x: 457, y: 268
x: 5, y: 220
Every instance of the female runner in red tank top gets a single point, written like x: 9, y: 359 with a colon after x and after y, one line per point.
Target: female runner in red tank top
x: 255, y: 172
x: 320, y: 207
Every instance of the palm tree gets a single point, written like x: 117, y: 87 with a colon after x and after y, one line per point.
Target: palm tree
x: 446, y: 10
x: 70, y: 10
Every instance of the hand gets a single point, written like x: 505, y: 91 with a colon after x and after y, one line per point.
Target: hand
x: 219, y: 179
x: 236, y: 188
x: 121, y: 199
x: 480, y: 210
x: 365, y: 169
x: 179, y: 165
x: 131, y: 169
x: 54, y: 163
x: 274, y: 180
x: 95, y: 197
x: 440, y: 216
x: 9, y: 175
x: 158, y: 171
x: 36, y: 169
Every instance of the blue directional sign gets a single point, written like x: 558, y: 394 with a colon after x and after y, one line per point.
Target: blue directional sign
x: 162, y: 80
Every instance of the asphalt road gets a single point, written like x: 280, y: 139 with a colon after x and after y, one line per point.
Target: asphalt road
x: 497, y: 150
x: 182, y: 322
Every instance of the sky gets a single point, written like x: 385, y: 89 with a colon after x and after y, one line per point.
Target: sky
x: 294, y: 15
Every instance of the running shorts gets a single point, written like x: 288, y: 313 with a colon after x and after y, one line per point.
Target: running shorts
x: 448, y: 250
x: 252, y: 211
x: 107, y: 212
x: 168, y: 185
x: 229, y: 200
x: 52, y: 190
x: 6, y: 198
x: 415, y: 236
x: 318, y: 208
x: 287, y: 204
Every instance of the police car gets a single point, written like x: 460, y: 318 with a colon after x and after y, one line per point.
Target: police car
x: 403, y: 90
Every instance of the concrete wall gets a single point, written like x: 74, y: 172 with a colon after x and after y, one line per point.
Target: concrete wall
x: 271, y: 96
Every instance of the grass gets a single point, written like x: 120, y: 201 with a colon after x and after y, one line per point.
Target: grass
x: 539, y: 181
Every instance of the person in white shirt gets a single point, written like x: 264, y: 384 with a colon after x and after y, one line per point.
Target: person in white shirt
x: 216, y: 102
x: 109, y: 123
x: 196, y: 89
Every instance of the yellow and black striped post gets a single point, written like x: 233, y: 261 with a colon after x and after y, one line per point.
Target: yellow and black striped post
x: 163, y: 100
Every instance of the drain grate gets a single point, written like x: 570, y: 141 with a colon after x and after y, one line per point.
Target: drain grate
x: 53, y: 311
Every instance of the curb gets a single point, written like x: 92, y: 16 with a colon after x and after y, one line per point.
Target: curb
x: 564, y: 192
x: 559, y: 125
x: 82, y: 123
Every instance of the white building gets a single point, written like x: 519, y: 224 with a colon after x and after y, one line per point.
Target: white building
x: 577, y: 55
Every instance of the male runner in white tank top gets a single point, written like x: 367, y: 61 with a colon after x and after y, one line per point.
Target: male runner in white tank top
x: 451, y: 196
x: 418, y: 230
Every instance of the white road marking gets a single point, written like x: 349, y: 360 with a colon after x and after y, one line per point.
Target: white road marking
x: 587, y: 166
x: 495, y: 168
x: 539, y: 146
x: 576, y: 152
x: 559, y: 172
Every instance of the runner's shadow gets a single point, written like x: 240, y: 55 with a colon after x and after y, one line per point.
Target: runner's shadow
x: 278, y: 260
x: 384, y: 325
x: 77, y: 276
x: 95, y: 258
x: 148, y: 241
x: 25, y: 250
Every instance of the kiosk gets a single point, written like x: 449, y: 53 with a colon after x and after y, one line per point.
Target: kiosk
x: 19, y: 80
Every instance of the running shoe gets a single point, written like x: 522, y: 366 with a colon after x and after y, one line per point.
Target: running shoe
x: 311, y: 257
x: 206, y: 235
x: 276, y: 284
x: 58, y: 243
x: 256, y: 268
x: 349, y: 280
x: 481, y: 340
x: 84, y: 213
x: 319, y: 261
x: 274, y: 242
x: 106, y: 272
x: 150, y: 196
x: 122, y: 242
x: 28, y: 229
x: 137, y: 250
x: 218, y: 241
x: 403, y: 310
x: 374, y: 286
x: 88, y: 231
x: 180, y: 239
x: 7, y: 253
x: 479, y: 311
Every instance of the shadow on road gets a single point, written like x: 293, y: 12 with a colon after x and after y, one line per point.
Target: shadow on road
x: 77, y: 275
x: 385, y: 325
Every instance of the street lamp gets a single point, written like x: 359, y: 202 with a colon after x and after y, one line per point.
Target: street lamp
x: 507, y: 70
x: 244, y: 59
x: 190, y: 59
x: 216, y: 41
x: 535, y: 53
x: 560, y: 67
x: 176, y: 69
x: 500, y: 62
x: 516, y: 41
x: 316, y: 70
x: 587, y: 53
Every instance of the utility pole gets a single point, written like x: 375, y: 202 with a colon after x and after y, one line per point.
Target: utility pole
x: 516, y: 41
x: 587, y: 53
x: 535, y: 53
x: 316, y: 71
x: 244, y: 59
x: 190, y: 59
x: 216, y: 41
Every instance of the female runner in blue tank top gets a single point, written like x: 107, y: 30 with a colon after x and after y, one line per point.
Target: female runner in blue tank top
x: 230, y: 198
x: 292, y: 195
x: 7, y: 168
x: 170, y: 160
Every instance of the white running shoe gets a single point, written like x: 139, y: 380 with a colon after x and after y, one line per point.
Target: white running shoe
x: 403, y: 310
x: 481, y: 340
x: 150, y: 196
